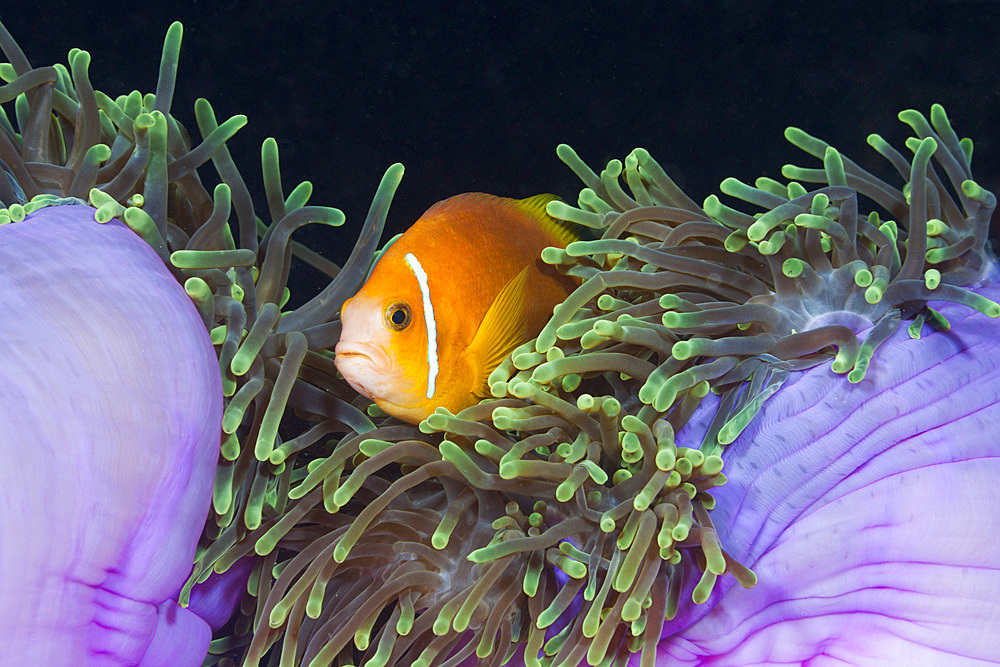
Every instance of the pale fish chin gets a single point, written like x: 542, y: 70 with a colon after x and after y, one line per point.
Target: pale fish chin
x: 364, y: 366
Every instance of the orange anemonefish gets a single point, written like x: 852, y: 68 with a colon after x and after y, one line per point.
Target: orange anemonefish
x: 449, y: 300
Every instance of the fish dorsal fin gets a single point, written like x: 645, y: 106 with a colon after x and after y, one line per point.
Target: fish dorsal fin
x: 503, y: 327
x: 534, y: 207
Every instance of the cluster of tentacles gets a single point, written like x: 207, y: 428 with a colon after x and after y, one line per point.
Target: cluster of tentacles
x: 559, y: 520
x: 590, y: 526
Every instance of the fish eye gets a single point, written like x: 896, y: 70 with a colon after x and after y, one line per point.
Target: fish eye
x: 397, y: 315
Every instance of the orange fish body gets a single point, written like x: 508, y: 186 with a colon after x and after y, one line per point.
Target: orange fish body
x: 449, y: 300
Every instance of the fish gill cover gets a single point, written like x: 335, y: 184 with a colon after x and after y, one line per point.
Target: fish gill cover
x: 558, y: 519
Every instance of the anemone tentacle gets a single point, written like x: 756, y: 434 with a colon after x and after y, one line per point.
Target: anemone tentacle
x: 608, y: 517
x: 573, y: 516
x: 130, y: 160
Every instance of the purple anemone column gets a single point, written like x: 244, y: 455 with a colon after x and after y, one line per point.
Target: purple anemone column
x: 110, y: 405
x: 867, y: 511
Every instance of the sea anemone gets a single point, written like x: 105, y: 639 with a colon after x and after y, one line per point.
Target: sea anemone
x: 117, y: 265
x: 98, y: 503
x: 571, y: 519
x: 582, y: 514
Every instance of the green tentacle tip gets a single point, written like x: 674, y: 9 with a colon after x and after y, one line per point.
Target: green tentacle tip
x: 671, y: 301
x: 937, y: 255
x: 889, y: 227
x: 107, y: 207
x: 592, y: 339
x: 714, y: 559
x: 938, y: 321
x: 680, y: 532
x: 342, y: 550
x: 932, y: 278
x: 140, y: 223
x: 758, y: 230
x: 987, y: 307
x: 269, y: 540
x: 732, y: 428
x: 877, y: 142
x: 936, y: 227
x: 631, y: 444
x: 570, y: 566
x: 97, y: 153
x: 666, y: 456
x: 571, y: 382
x: 143, y: 123
x: 607, y: 522
x: 874, y: 294
x: 595, y: 471
x: 833, y: 164
x: 16, y: 213
x: 863, y: 278
x: 498, y: 389
x: 861, y: 365
x: 526, y: 360
x: 704, y: 588
x: 684, y: 349
x: 521, y: 390
x: 633, y: 424
x: 916, y: 325
x: 552, y: 255
x: 712, y: 465
x: 796, y: 136
x: 772, y: 245
x: 566, y: 153
x: 442, y: 534
x: 712, y: 206
x: 372, y: 446
x: 212, y: 259
x: 939, y: 118
x: 737, y: 188
x: 792, y: 267
x: 820, y: 201
x: 966, y: 145
x: 278, y: 614
x: 925, y: 149
x: 684, y: 466
x: 434, y: 423
x: 611, y: 407
x: 844, y: 360
x: 973, y: 190
x: 230, y: 449
x: 373, y: 410
x: 563, y: 211
x: 199, y: 292
x: 810, y: 221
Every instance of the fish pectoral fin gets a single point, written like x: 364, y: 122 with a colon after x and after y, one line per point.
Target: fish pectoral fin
x: 503, y: 327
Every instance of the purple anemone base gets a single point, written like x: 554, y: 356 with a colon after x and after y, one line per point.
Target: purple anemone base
x: 867, y: 511
x: 109, y: 432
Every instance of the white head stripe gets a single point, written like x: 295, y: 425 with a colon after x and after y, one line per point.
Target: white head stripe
x: 432, y: 357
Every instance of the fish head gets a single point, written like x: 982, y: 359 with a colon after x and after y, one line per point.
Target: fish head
x: 381, y: 348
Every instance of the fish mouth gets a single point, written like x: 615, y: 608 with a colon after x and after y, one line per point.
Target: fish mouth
x: 359, y: 362
x: 363, y: 352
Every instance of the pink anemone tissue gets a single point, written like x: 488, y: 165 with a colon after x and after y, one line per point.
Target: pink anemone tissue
x: 110, y: 446
x: 866, y: 512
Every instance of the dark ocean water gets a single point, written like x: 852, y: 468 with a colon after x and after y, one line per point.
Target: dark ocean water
x: 477, y: 97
